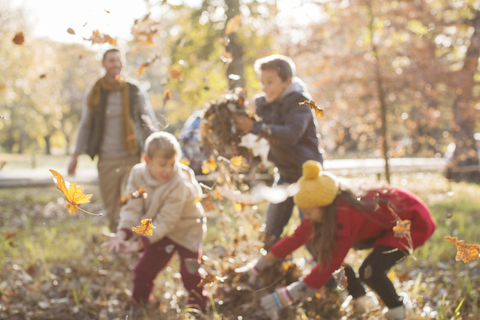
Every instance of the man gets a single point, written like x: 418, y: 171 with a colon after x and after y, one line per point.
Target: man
x: 116, y: 120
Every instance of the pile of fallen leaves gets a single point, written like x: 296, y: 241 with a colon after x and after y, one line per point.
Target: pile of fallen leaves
x: 218, y: 129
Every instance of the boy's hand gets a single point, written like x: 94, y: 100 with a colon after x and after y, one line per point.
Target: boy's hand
x: 115, y: 242
x: 244, y: 123
x: 134, y: 247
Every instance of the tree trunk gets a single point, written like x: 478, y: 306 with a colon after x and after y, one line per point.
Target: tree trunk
x: 465, y: 154
x: 234, y: 46
x: 381, y: 95
x: 48, y: 146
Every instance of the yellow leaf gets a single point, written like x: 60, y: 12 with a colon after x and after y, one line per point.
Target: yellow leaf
x: 402, y: 228
x: 197, y: 200
x: 318, y: 111
x: 233, y: 25
x: 73, y: 193
x: 216, y: 195
x: 238, y: 163
x: 209, y: 166
x: 185, y: 161
x: 466, y: 252
x: 145, y: 229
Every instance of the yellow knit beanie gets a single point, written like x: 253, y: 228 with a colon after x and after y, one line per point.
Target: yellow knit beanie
x: 317, y: 187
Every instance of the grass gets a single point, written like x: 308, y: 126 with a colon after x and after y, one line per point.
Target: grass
x: 47, y: 255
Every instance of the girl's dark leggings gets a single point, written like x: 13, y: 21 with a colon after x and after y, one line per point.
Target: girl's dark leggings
x: 373, y: 273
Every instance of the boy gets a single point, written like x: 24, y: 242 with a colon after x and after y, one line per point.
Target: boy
x: 178, y: 219
x: 289, y: 127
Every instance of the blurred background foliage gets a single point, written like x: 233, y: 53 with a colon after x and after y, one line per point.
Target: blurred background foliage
x: 417, y: 58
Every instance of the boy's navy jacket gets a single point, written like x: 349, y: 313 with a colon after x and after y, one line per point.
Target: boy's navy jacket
x: 293, y: 138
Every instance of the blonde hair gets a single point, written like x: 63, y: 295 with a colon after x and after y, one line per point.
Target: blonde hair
x: 162, y: 144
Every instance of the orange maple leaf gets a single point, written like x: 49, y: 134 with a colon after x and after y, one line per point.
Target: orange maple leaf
x: 466, y: 252
x: 233, y: 25
x: 318, y: 111
x: 167, y: 95
x: 139, y: 193
x: 146, y: 228
x: 73, y: 194
x: 146, y: 65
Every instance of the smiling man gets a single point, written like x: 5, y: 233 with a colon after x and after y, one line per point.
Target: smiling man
x: 116, y: 120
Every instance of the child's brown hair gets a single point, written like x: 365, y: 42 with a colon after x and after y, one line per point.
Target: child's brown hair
x: 282, y: 64
x: 162, y: 144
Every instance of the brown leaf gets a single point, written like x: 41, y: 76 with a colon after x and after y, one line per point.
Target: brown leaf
x: 42, y: 76
x: 139, y: 193
x: 8, y: 235
x: 73, y: 193
x: 318, y: 111
x: 175, y: 73
x: 19, y: 38
x: 207, y: 203
x: 167, y: 95
x: 466, y: 252
x: 2, y: 87
x: 106, y: 11
x: 70, y: 31
x: 233, y: 25
x: 97, y: 37
x: 145, y: 229
x: 146, y: 65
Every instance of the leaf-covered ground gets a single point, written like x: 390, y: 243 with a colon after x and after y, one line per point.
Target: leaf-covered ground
x: 52, y: 266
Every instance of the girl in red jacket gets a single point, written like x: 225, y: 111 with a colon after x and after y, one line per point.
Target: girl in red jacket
x: 338, y: 218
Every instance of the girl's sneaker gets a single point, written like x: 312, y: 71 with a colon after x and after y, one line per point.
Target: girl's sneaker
x: 365, y: 303
x: 400, y: 312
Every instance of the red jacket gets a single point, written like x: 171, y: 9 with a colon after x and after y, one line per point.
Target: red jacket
x: 353, y: 226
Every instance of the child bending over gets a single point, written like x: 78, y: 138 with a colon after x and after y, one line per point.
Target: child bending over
x: 338, y: 219
x: 179, y: 220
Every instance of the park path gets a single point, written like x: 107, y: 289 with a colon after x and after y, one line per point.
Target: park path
x: 343, y: 167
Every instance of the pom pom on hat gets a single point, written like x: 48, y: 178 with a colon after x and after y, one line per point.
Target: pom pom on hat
x: 317, y: 188
x: 311, y: 169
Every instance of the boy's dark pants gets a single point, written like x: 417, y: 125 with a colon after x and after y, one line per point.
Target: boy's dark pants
x: 373, y: 273
x: 154, y: 259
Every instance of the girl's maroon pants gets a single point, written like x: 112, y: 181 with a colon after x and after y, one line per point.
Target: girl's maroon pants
x: 154, y: 259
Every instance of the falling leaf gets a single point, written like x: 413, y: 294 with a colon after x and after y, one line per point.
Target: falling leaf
x: 466, y: 252
x: 226, y: 57
x: 145, y: 229
x: 209, y: 166
x: 197, y: 200
x: 70, y: 31
x: 139, y: 193
x: 167, y: 95
x: 72, y: 192
x: 207, y: 203
x: 2, y: 87
x: 318, y: 111
x: 175, y: 73
x: 42, y: 76
x: 124, y: 200
x: 19, y: 38
x: 238, y: 163
x: 133, y: 50
x: 216, y: 195
x: 402, y: 228
x: 8, y: 235
x: 239, y: 207
x: 97, y: 37
x: 84, y: 24
x: 106, y: 11
x: 120, y: 78
x: 233, y: 25
x: 185, y: 161
x: 146, y: 65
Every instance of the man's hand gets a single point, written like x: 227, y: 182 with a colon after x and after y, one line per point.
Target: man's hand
x: 72, y: 167
x: 244, y: 123
x: 134, y: 247
x: 115, y: 242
